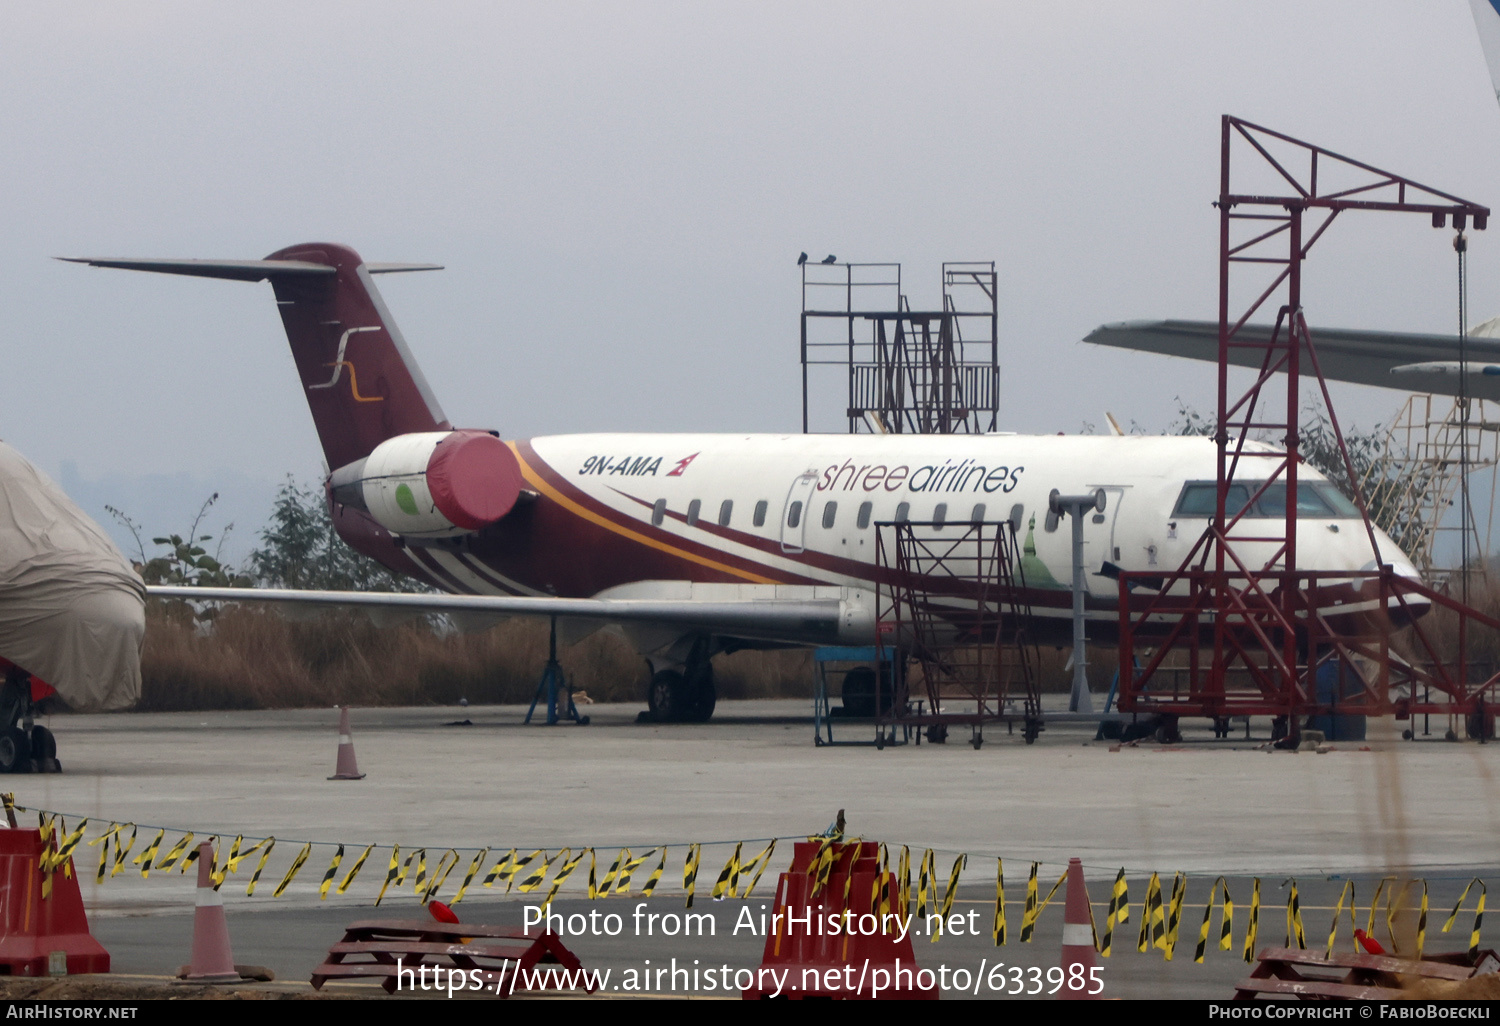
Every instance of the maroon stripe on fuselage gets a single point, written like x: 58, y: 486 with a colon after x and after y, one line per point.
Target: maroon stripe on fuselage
x: 546, y: 546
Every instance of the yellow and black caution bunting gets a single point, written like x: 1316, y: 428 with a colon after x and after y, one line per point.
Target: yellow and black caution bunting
x: 563, y: 873
x: 494, y: 874
x: 1028, y: 914
x: 1153, y: 918
x: 903, y: 880
x: 1422, y: 922
x: 1226, y: 919
x: 949, y: 894
x: 1387, y: 887
x: 392, y: 869
x: 1119, y: 912
x: 536, y: 876
x: 1174, y: 913
x: 1028, y: 922
x: 236, y: 855
x: 816, y: 863
x: 1338, y: 910
x: 445, y: 865
x: 1253, y: 927
x: 627, y: 871
x: 764, y: 860
x: 359, y: 864
x: 730, y: 871
x: 926, y: 883
x: 1478, y: 915
x: 170, y: 858
x: 611, y: 873
x: 103, y: 842
x: 221, y: 869
x: 824, y: 866
x: 265, y: 856
x: 330, y: 873
x: 999, y: 928
x: 514, y: 869
x: 9, y: 801
x: 739, y: 869
x: 122, y: 851
x: 292, y: 872
x: 144, y: 858
x: 473, y: 871
x: 880, y: 892
x: 849, y: 871
x: 421, y: 881
x: 655, y: 877
x: 1294, y: 915
x: 690, y: 871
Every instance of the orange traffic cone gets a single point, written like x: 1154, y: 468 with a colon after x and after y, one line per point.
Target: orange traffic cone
x: 347, y: 768
x: 213, y: 962
x: 1078, y: 940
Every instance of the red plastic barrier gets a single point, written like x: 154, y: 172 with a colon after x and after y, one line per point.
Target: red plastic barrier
x: 829, y: 950
x: 35, y: 927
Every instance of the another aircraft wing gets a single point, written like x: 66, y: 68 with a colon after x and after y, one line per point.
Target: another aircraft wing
x: 771, y: 619
x: 1389, y: 359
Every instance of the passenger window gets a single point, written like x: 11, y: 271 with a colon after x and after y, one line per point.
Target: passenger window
x: 725, y: 509
x: 977, y: 517
x: 865, y: 508
x: 658, y: 512
x: 794, y: 514
x: 760, y: 513
x: 829, y: 512
x: 693, y: 509
x: 902, y: 512
x: 940, y: 515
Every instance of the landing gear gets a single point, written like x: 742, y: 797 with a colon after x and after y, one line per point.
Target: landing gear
x: 683, y: 696
x: 24, y: 746
x: 15, y: 751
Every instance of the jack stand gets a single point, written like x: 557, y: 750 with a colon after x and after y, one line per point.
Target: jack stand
x: 553, y: 681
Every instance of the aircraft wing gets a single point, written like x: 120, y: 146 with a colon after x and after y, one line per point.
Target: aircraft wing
x: 771, y: 619
x: 1389, y: 359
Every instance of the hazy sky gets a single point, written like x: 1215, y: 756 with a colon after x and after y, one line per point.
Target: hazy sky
x: 619, y: 192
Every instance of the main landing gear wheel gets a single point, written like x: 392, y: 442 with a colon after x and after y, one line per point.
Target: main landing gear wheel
x: 15, y: 751
x: 701, y: 696
x: 44, y: 750
x: 667, y: 696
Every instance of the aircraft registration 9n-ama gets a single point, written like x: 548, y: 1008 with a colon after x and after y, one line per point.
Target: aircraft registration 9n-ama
x: 701, y: 543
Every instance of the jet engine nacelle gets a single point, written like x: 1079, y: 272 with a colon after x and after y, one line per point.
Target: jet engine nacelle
x: 433, y: 484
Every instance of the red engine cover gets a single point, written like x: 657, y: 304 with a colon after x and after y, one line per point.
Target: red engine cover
x: 474, y: 479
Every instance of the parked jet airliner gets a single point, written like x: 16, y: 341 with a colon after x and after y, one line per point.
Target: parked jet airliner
x: 700, y: 543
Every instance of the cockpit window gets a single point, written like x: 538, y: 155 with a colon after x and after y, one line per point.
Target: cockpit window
x: 1317, y: 499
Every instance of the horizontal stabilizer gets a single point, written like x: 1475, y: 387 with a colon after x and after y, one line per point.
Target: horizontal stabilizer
x: 237, y: 270
x: 1407, y: 361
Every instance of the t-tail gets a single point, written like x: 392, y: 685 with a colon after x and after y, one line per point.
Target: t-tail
x: 391, y: 451
x: 361, y: 383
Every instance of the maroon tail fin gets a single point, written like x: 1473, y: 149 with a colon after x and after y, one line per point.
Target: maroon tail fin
x: 361, y: 382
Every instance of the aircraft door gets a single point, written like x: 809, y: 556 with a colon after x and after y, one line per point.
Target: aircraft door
x: 795, y: 511
x: 1104, y: 541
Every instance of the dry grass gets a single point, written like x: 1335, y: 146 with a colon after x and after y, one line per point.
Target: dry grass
x: 256, y: 659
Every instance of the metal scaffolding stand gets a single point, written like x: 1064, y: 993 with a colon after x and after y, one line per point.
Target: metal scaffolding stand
x: 1256, y: 630
x: 1412, y: 484
x: 952, y: 597
x: 909, y: 371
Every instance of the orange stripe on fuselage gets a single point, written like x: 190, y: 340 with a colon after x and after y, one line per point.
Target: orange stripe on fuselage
x: 536, y: 481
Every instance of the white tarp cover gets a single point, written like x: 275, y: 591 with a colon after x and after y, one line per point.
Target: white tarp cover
x: 72, y: 611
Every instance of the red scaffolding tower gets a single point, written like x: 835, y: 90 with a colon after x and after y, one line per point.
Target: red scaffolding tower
x: 1254, y: 628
